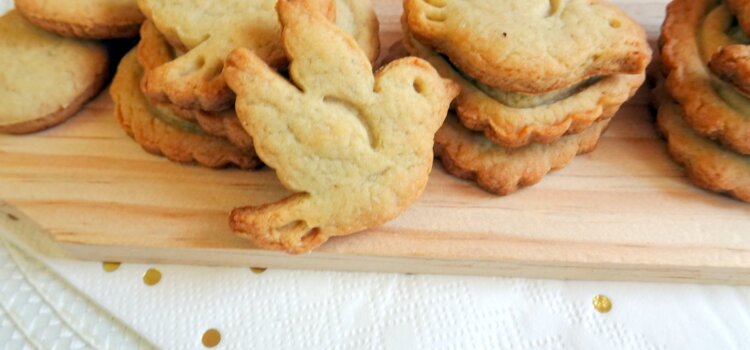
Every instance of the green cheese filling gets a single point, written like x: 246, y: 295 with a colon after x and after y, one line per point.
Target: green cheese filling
x: 520, y: 99
x: 165, y: 115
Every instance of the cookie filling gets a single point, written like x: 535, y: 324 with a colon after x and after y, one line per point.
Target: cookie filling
x: 719, y: 29
x: 168, y: 117
x: 520, y: 99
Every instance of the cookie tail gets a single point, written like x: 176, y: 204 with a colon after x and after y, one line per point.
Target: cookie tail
x: 284, y: 225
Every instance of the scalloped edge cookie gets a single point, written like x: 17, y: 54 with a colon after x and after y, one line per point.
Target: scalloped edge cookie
x: 689, y: 82
x: 706, y: 163
x: 470, y: 156
x: 159, y: 137
x: 516, y: 127
x: 152, y: 51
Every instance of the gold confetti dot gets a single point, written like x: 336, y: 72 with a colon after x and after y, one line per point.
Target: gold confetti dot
x: 151, y: 277
x: 110, y: 266
x: 602, y: 303
x: 258, y: 269
x: 211, y: 338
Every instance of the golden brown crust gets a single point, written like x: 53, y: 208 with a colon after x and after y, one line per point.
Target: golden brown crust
x: 689, y: 83
x: 89, y: 19
x: 61, y: 115
x: 153, y: 50
x: 469, y: 155
x: 706, y: 163
x: 158, y: 136
x: 355, y: 147
x: 194, y: 80
x: 732, y: 64
x: 526, y: 46
x: 512, y: 127
x: 45, y: 78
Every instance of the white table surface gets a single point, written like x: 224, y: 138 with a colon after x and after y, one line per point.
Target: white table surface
x: 48, y: 302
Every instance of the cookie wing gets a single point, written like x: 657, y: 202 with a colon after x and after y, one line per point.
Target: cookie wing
x: 325, y: 61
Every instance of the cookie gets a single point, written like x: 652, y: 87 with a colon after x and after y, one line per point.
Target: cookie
x: 160, y: 132
x: 692, y: 32
x: 530, y: 46
x: 153, y: 51
x: 45, y: 78
x: 545, y: 120
x: 732, y: 65
x: 358, y: 19
x: 90, y: 19
x: 741, y: 9
x: 469, y: 155
x: 207, y: 31
x: 707, y: 164
x: 354, y: 147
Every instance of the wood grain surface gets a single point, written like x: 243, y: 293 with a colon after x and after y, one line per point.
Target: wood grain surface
x: 623, y: 212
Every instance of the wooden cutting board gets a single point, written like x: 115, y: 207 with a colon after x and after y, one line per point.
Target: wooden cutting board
x: 623, y: 212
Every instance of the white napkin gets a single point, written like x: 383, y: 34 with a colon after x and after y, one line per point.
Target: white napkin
x: 305, y: 309
x: 302, y: 310
x: 5, y: 6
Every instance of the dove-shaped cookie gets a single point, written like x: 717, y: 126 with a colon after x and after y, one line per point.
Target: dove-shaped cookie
x: 530, y: 46
x: 355, y: 148
x: 208, y: 31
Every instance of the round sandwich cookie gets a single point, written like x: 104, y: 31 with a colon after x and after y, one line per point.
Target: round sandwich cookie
x: 706, y: 163
x: 469, y: 155
x: 513, y: 120
x: 45, y: 78
x: 158, y: 131
x: 698, y: 37
x: 152, y: 51
x: 89, y: 19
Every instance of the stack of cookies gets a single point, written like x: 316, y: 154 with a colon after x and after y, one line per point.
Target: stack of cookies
x: 540, y: 81
x: 171, y: 96
x: 52, y: 64
x: 704, y: 102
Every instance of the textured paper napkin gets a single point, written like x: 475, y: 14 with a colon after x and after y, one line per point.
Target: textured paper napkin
x: 46, y: 300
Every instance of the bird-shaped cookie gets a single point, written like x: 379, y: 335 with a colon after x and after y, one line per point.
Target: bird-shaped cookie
x: 207, y: 31
x: 356, y: 148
